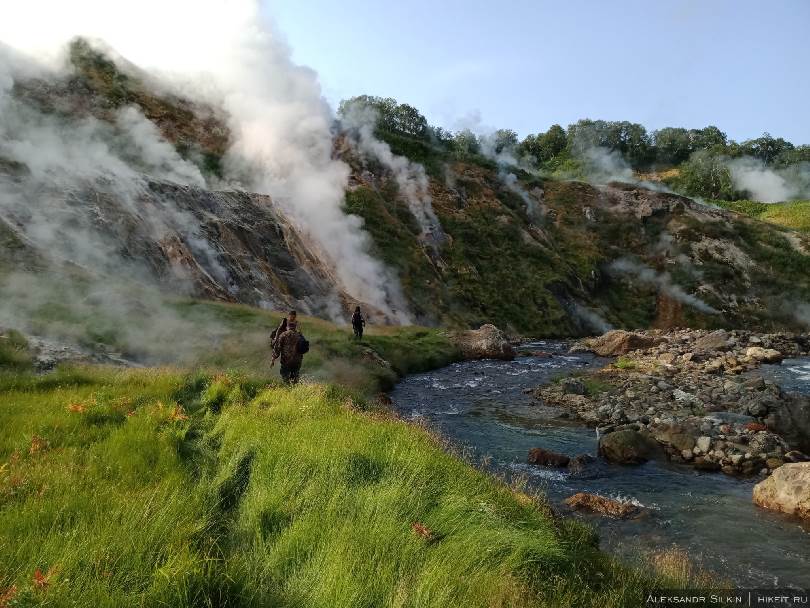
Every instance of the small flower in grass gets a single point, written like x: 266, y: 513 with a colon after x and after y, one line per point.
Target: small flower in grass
x: 42, y: 580
x: 422, y: 531
x: 178, y: 414
x: 38, y: 444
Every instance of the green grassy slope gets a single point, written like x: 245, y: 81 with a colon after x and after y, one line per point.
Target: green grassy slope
x: 534, y: 277
x: 176, y: 487
x: 793, y: 214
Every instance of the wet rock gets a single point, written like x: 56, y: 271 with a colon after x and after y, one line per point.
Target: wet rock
x: 791, y: 419
x: 796, y: 456
x: 488, y: 342
x: 578, y: 465
x: 547, y: 458
x: 627, y: 447
x: 786, y: 490
x: 602, y: 505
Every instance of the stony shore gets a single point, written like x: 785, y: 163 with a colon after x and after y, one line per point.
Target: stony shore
x: 692, y: 396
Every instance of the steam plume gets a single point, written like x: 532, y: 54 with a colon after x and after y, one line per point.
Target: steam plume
x: 411, y: 178
x: 769, y: 185
x: 663, y: 281
x: 227, y: 53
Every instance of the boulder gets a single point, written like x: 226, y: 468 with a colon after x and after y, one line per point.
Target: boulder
x: 791, y: 420
x: 600, y: 504
x: 619, y: 342
x: 628, y: 447
x: 763, y: 355
x: 488, y: 342
x: 579, y: 464
x: 573, y: 386
x: 717, y: 340
x: 547, y: 458
x: 786, y: 490
x: 679, y: 437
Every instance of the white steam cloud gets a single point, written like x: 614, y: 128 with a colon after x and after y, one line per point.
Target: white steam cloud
x: 769, y: 185
x: 280, y: 123
x: 411, y: 178
x: 662, y: 281
x: 505, y: 159
x: 603, y: 165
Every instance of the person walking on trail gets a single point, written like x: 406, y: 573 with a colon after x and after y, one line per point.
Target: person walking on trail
x: 282, y: 327
x: 358, y: 323
x: 291, y: 346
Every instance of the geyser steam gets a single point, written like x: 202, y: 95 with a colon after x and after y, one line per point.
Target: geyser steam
x: 228, y: 54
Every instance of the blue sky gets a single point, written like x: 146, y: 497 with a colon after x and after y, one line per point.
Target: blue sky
x: 739, y: 64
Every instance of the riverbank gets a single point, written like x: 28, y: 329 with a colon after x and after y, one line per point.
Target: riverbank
x: 693, y: 396
x: 191, y: 486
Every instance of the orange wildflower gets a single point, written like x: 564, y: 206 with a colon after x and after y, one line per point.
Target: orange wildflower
x: 178, y: 414
x: 38, y: 444
x: 41, y: 580
x: 422, y: 530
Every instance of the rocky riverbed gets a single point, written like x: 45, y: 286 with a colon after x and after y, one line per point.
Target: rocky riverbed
x: 691, y: 396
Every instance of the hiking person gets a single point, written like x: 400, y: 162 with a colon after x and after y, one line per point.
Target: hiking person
x: 291, y: 346
x: 282, y: 327
x: 358, y: 323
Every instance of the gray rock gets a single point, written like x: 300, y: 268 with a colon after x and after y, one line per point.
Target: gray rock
x: 628, y: 447
x: 573, y: 386
x: 703, y: 443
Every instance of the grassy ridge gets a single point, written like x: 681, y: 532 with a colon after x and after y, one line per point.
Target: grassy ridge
x: 174, y: 487
x: 793, y: 214
x: 126, y: 488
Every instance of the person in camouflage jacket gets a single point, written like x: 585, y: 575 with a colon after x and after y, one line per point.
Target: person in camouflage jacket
x: 287, y: 348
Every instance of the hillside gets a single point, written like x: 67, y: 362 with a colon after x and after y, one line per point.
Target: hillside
x: 536, y: 255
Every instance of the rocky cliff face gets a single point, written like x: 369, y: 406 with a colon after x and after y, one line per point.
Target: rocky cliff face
x: 230, y: 246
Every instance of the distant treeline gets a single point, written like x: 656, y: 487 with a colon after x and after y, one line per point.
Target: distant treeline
x: 701, y: 154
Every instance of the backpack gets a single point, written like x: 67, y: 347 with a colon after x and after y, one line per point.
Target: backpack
x: 303, y: 345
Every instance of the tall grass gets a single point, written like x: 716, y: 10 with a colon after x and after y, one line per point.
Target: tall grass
x: 163, y: 488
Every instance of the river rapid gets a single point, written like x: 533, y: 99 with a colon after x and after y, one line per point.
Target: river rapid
x: 481, y: 407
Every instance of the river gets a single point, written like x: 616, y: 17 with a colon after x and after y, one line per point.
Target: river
x: 481, y: 407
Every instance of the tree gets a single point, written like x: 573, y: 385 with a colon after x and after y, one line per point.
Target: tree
x: 504, y: 139
x: 629, y: 139
x: 706, y: 174
x: 391, y: 115
x: 466, y: 142
x: 673, y: 145
x: 765, y: 148
x: 799, y: 154
x: 544, y: 146
x: 707, y: 138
